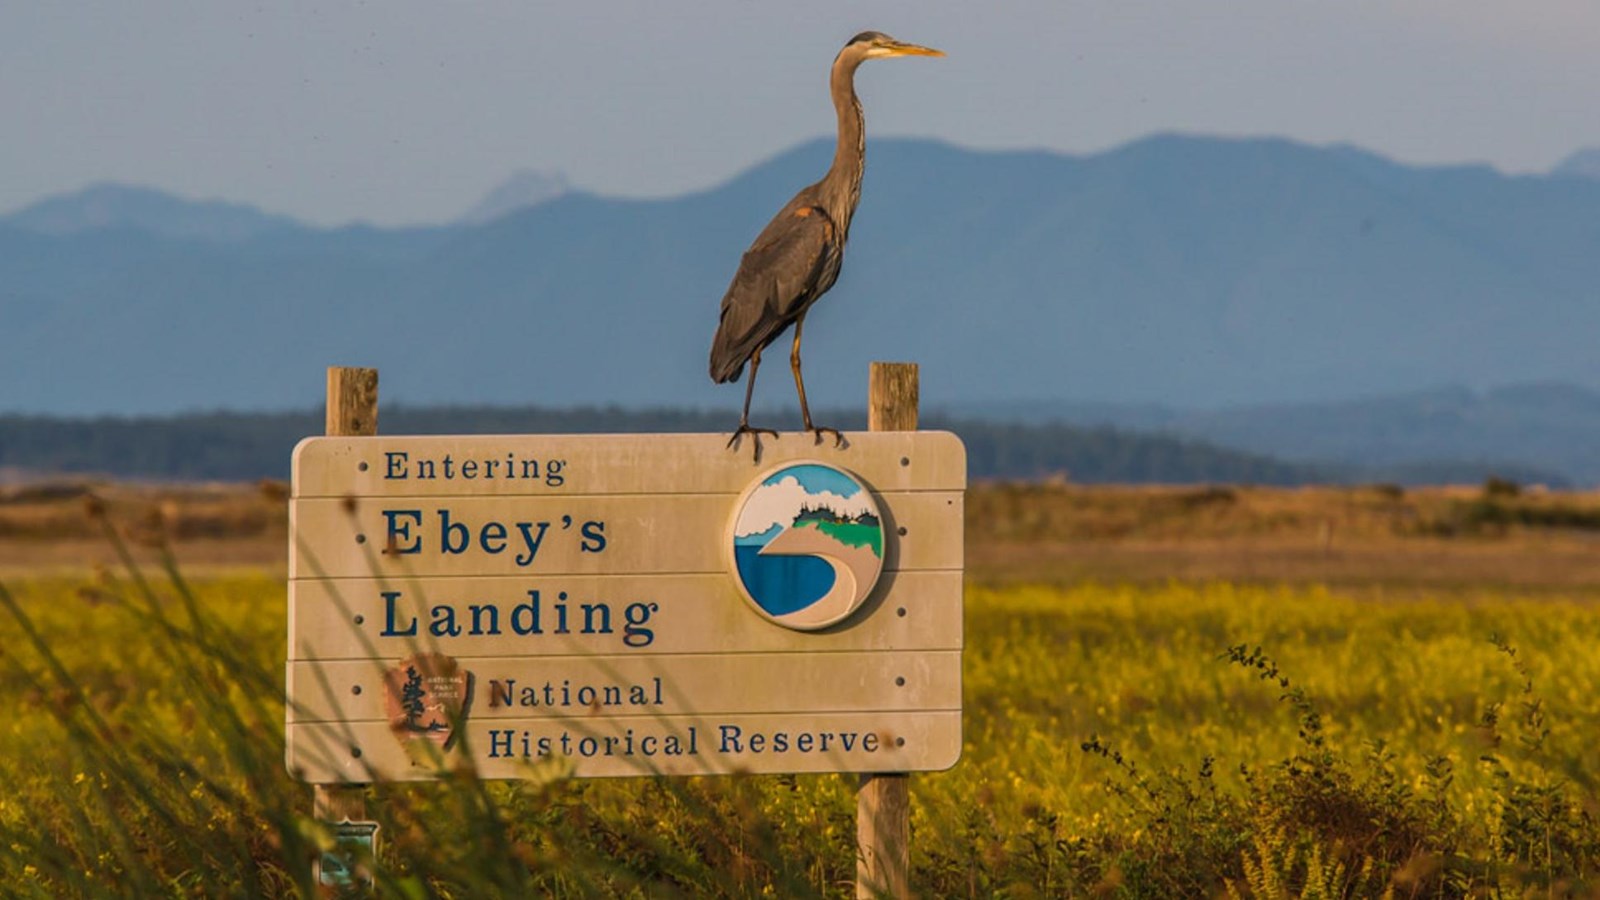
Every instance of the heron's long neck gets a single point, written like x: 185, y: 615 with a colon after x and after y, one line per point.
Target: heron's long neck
x: 842, y: 185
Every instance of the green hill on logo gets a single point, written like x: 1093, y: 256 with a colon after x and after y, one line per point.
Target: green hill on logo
x: 850, y: 534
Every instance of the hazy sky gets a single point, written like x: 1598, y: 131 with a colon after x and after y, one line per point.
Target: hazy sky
x: 403, y: 111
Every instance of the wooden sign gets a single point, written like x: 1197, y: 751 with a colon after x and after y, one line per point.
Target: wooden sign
x: 623, y: 605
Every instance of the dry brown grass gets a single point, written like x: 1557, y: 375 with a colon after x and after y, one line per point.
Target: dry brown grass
x: 61, y: 525
x: 1054, y: 533
x: 1450, y: 537
x: 1376, y: 512
x: 1400, y: 565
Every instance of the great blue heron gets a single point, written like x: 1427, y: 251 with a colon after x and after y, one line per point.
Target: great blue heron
x: 796, y: 257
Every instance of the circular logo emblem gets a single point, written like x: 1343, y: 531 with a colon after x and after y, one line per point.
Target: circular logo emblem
x: 807, y: 545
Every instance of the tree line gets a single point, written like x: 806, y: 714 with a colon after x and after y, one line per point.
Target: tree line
x: 231, y: 446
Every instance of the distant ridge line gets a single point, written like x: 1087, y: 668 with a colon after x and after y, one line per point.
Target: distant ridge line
x: 231, y: 446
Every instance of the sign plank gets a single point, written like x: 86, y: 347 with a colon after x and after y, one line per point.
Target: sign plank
x: 595, y: 599
x: 569, y: 465
x: 604, y: 687
x: 418, y: 536
x: 371, y: 618
x: 363, y: 752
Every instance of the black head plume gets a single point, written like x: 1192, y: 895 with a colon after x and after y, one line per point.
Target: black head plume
x: 867, y: 37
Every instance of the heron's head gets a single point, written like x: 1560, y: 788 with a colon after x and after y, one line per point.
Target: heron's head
x: 876, y: 45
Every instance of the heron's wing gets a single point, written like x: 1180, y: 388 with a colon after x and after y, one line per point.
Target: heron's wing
x: 794, y: 260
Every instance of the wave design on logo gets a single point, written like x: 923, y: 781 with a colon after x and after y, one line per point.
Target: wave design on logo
x: 808, y: 545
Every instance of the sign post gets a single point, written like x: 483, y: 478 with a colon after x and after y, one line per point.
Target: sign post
x: 618, y: 605
x: 352, y: 409
x: 883, y: 802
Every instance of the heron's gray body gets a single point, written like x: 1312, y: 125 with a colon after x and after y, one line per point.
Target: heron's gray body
x: 789, y: 266
x: 797, y: 257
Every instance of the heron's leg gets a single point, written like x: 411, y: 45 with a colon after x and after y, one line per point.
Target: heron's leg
x: 800, y: 388
x: 750, y: 389
x: 744, y: 417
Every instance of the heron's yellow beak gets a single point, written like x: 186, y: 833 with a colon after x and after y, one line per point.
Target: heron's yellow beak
x: 900, y: 49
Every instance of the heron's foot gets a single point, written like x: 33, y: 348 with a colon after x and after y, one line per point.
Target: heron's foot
x: 838, y: 436
x: 755, y: 438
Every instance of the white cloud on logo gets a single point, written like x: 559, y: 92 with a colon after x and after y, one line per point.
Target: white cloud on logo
x: 774, y: 504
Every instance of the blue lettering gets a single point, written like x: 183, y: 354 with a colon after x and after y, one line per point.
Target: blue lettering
x: 637, y: 614
x: 399, y: 531
x: 528, y: 612
x: 531, y: 541
x: 453, y: 536
x: 594, y: 537
x: 589, y: 611
x: 481, y: 612
x: 395, y: 467
x: 500, y: 692
x: 389, y: 629
x: 444, y: 622
x: 496, y: 533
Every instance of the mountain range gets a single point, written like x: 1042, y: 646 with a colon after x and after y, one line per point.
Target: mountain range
x: 1216, y: 281
x: 1536, y: 432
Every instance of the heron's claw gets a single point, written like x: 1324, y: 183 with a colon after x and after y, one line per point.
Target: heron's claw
x: 838, y: 436
x: 755, y: 438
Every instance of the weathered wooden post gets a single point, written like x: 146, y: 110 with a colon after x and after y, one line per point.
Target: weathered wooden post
x: 883, y: 801
x: 352, y: 411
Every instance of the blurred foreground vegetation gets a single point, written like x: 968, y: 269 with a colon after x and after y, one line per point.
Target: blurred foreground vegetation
x: 1154, y: 739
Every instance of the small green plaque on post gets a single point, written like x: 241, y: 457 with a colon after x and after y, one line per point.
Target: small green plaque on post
x: 354, y: 843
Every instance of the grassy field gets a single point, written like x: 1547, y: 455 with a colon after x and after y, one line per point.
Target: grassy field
x: 1169, y: 692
